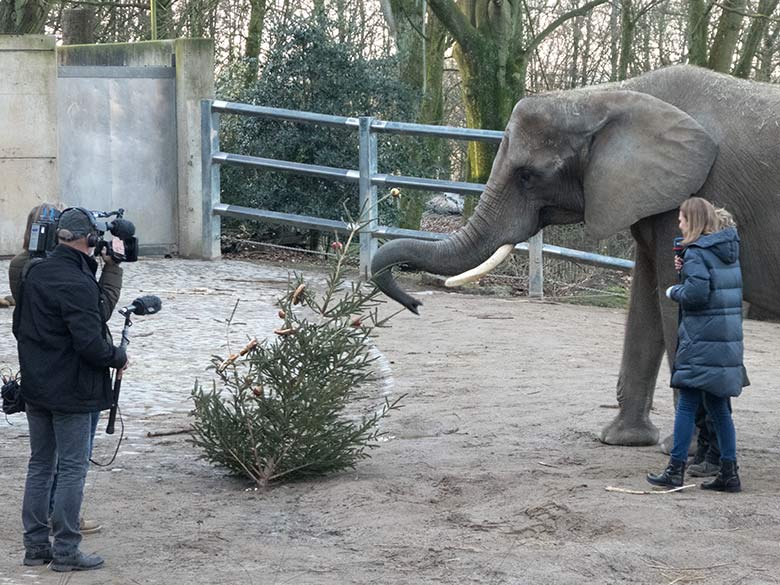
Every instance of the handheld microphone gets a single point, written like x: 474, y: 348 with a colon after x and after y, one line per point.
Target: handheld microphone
x: 678, y: 246
x: 679, y: 249
x: 146, y: 305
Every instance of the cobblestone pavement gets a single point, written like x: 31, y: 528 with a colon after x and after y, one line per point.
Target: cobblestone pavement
x: 171, y: 350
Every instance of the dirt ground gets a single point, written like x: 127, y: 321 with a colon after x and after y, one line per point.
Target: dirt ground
x: 490, y: 474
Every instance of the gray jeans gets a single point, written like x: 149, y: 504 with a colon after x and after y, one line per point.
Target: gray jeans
x: 56, y: 440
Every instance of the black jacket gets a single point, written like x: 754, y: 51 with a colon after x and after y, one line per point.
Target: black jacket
x: 110, y: 282
x: 64, y: 352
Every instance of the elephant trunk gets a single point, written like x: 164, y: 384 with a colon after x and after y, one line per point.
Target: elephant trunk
x: 470, y: 246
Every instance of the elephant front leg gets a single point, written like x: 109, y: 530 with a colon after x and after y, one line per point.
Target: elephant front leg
x: 665, y: 231
x: 643, y: 349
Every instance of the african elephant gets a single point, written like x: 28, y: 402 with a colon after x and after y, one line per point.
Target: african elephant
x: 626, y: 155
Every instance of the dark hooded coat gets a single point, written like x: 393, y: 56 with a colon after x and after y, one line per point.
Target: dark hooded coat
x: 63, y: 341
x: 709, y: 348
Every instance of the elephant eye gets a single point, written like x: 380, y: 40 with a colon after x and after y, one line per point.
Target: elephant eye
x: 524, y: 176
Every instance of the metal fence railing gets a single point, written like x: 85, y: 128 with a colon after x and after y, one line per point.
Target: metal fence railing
x: 366, y: 176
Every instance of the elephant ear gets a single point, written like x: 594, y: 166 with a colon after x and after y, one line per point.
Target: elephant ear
x: 646, y: 157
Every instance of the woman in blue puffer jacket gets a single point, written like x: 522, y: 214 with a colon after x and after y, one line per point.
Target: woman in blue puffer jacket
x: 708, y: 364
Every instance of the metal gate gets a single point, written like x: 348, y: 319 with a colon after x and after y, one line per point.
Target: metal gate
x: 117, y: 146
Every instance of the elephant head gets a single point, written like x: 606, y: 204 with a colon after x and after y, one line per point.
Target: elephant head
x: 605, y: 157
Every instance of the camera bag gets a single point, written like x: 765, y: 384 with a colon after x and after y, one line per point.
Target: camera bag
x: 12, y: 396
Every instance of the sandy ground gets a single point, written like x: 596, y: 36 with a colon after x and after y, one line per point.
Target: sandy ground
x: 490, y: 474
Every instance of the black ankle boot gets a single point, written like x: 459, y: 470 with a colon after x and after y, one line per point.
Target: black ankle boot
x: 727, y: 479
x: 671, y: 477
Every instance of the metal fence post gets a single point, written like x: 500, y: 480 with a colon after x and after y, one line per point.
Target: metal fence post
x: 535, y: 266
x: 209, y: 129
x: 368, y: 204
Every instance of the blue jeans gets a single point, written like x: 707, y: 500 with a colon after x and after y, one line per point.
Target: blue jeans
x: 685, y: 420
x: 95, y: 418
x: 56, y: 440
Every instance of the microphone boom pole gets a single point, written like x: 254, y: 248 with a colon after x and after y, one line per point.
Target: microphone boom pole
x: 146, y: 305
x: 118, y: 377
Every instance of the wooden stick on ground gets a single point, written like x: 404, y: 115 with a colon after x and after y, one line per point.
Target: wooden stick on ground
x: 168, y: 433
x: 610, y: 488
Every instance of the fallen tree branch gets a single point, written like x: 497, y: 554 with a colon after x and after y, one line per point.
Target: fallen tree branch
x: 610, y: 488
x: 169, y: 433
x: 546, y: 464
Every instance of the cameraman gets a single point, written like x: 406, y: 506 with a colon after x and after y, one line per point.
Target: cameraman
x: 64, y: 355
x: 110, y: 277
x: 110, y: 289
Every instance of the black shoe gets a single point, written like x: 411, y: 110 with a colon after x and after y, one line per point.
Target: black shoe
x: 727, y: 479
x: 704, y: 469
x: 671, y: 477
x: 37, y: 558
x: 77, y: 562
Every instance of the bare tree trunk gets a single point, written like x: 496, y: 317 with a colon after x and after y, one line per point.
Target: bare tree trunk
x: 614, y: 38
x: 727, y: 35
x: 627, y: 24
x: 663, y: 58
x: 254, y: 38
x: 493, y: 55
x: 575, y: 53
x: 698, y: 22
x: 342, y: 21
x: 757, y: 31
x: 765, y: 67
x: 164, y: 19
x: 421, y: 41
x: 78, y: 26
x: 584, y: 80
x: 21, y: 17
x: 195, y: 19
x: 320, y: 13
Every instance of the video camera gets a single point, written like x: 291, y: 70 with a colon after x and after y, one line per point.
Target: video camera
x: 123, y: 247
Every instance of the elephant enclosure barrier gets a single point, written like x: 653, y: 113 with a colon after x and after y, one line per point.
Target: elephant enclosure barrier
x: 537, y: 256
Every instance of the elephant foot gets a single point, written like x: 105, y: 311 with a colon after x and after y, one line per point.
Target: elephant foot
x: 634, y: 433
x: 668, y: 442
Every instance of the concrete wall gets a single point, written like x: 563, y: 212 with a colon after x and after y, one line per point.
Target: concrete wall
x: 118, y: 137
x: 194, y: 82
x: 28, y: 132
x: 33, y: 78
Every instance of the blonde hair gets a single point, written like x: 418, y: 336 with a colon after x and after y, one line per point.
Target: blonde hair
x: 725, y: 219
x: 701, y: 218
x: 36, y: 213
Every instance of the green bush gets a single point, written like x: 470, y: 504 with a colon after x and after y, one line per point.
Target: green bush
x: 310, y: 71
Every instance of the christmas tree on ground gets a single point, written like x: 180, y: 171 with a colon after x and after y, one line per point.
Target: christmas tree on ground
x: 284, y: 408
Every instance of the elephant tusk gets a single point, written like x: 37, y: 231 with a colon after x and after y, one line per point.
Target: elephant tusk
x: 478, y: 272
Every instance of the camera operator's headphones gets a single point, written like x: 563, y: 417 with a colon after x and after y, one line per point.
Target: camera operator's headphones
x: 92, y: 238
